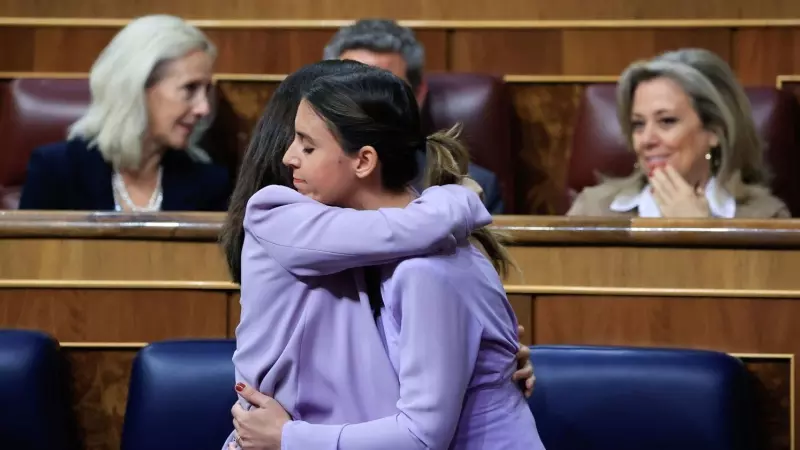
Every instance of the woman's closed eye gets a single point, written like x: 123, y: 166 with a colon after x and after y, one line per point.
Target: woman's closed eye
x: 307, y: 150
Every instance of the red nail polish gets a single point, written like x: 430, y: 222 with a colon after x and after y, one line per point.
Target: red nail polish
x: 239, y: 387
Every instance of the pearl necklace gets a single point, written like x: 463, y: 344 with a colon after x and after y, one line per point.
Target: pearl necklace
x: 121, y: 193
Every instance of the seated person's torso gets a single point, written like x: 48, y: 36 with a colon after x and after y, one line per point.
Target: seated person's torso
x: 71, y: 176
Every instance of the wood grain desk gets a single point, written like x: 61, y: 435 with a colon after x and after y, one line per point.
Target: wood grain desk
x: 105, y: 284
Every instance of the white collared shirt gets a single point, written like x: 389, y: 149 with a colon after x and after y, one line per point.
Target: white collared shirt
x: 720, y: 202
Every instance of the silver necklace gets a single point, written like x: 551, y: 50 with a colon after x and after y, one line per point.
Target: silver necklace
x: 121, y: 193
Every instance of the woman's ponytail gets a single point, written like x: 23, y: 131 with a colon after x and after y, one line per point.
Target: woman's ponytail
x: 448, y: 163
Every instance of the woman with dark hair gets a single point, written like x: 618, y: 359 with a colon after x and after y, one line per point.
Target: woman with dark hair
x: 444, y: 318
x: 284, y: 315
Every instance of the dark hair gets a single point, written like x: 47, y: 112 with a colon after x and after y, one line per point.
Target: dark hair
x: 381, y: 36
x: 262, y: 162
x: 373, y: 107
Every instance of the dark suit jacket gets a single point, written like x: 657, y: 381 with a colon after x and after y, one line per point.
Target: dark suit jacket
x: 70, y: 176
x: 492, y: 196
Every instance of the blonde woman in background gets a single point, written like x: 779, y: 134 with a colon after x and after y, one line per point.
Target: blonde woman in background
x: 698, y: 153
x: 134, y: 149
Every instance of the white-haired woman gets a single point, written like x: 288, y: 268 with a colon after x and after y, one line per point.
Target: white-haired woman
x: 689, y: 122
x: 134, y: 149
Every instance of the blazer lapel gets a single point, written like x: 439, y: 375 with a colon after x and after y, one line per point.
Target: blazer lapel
x: 96, y: 180
x: 180, y: 191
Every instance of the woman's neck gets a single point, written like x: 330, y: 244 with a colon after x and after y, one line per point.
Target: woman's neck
x: 382, y: 199
x: 148, y: 165
x: 700, y: 180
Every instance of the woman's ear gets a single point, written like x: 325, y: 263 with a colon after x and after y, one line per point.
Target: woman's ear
x: 713, y: 138
x: 365, y: 162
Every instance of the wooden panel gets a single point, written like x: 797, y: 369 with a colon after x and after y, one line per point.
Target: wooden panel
x: 115, y: 315
x: 247, y: 101
x: 737, y: 325
x: 100, y: 380
x: 623, y: 267
x: 758, y: 54
x: 267, y: 51
x: 68, y: 50
x: 523, y: 309
x: 413, y: 9
x: 55, y: 259
x: 256, y: 51
x: 20, y: 55
x: 609, y: 52
x: 761, y: 54
x: 573, y: 52
x: 546, y: 113
x: 43, y: 49
x: 507, y: 51
x: 436, y: 49
x: 234, y: 312
x: 772, y: 386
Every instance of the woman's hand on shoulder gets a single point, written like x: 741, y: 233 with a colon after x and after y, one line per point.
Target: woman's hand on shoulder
x: 524, y: 375
x: 675, y: 197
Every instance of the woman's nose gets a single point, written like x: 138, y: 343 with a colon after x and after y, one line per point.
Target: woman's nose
x: 288, y: 159
x: 202, y: 107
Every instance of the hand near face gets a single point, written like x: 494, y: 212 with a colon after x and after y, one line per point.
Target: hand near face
x: 675, y: 197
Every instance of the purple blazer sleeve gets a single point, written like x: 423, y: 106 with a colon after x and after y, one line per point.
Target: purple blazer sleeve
x: 434, y: 374
x: 308, y: 238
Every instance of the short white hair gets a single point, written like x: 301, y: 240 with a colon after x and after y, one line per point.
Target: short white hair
x: 117, y: 118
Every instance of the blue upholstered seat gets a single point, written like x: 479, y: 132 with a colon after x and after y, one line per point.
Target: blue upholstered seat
x: 35, y: 410
x: 603, y: 398
x: 180, y: 396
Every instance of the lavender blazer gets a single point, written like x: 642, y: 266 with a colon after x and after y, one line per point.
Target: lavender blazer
x: 306, y: 335
x: 450, y: 333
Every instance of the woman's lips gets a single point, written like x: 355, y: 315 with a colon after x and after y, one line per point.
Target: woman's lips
x: 656, y: 163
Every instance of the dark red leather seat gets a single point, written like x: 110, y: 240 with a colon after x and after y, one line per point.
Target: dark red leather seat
x: 34, y: 112
x: 483, y: 105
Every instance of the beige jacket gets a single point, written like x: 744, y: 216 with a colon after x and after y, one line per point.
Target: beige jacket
x: 752, y: 201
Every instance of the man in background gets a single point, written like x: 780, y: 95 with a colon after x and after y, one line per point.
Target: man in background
x: 385, y: 44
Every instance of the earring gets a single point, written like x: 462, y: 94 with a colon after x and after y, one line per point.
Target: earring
x: 636, y: 166
x: 708, y: 155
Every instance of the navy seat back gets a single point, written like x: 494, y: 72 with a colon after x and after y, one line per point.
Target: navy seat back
x: 180, y: 396
x: 35, y: 410
x: 600, y: 398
